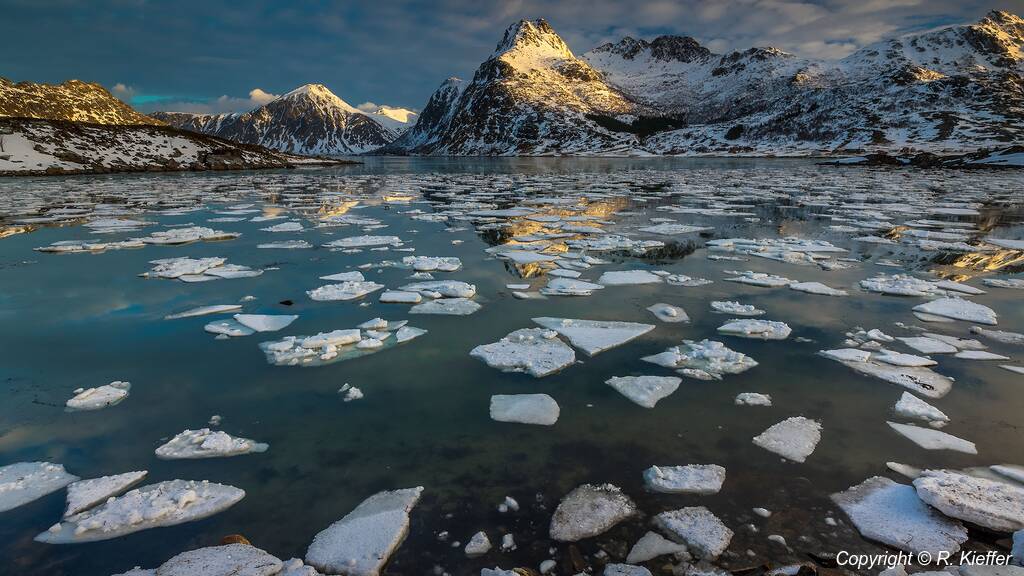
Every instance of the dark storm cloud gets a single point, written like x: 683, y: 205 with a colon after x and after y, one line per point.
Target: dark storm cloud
x: 218, y: 55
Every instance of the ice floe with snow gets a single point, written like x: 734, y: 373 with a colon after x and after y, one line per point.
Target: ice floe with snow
x: 794, y: 438
x: 735, y: 308
x: 920, y: 379
x: 23, y: 482
x: 959, y: 309
x: 690, y: 479
x: 595, y: 336
x: 348, y: 290
x: 535, y: 351
x: 668, y: 313
x: 588, y: 511
x: 930, y: 439
x: 645, y: 391
x: 704, y: 360
x: 758, y: 279
x: 998, y: 506
x: 704, y: 534
x: 206, y: 443
x: 757, y: 329
x: 446, y: 307
x: 85, y: 494
x: 538, y: 409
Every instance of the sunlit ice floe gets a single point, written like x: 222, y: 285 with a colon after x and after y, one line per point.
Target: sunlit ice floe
x: 99, y: 397
x: 930, y: 439
x: 628, y: 277
x: 205, y: 443
x: 24, y: 482
x: 442, y: 289
x: 817, y: 288
x: 959, y: 309
x: 198, y: 269
x: 668, y: 313
x: 595, y: 336
x: 535, y: 351
x: 997, y: 506
x: 446, y: 307
x: 265, y: 322
x: 758, y: 329
x: 347, y: 290
x: 735, y: 308
x: 920, y: 379
x: 704, y: 360
x: 758, y: 279
x: 910, y: 406
x: 205, y: 311
x: 569, y: 287
x: 364, y: 242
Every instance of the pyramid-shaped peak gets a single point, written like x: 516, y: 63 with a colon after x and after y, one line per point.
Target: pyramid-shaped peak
x: 1004, y: 18
x: 532, y: 35
x: 319, y: 94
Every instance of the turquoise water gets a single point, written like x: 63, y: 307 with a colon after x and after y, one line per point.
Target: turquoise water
x: 82, y: 320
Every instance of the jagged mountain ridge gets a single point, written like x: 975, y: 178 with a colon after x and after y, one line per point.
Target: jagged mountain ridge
x: 954, y: 89
x: 309, y: 120
x: 73, y: 100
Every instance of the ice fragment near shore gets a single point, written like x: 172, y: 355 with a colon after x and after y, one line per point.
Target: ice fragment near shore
x: 23, y: 482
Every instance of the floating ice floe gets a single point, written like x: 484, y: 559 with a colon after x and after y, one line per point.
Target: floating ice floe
x: 205, y: 311
x: 536, y: 351
x: 188, y: 235
x: 265, y: 322
x: 892, y: 513
x: 361, y: 543
x: 928, y: 345
x: 85, y: 494
x: 478, y: 545
x: 400, y: 297
x: 930, y: 439
x: 794, y: 438
x: 613, y: 569
x: 569, y: 287
x: 86, y: 246
x: 432, y: 263
x: 920, y: 379
x: 757, y: 329
x: 156, y: 505
x: 524, y: 409
x: 99, y: 397
x: 595, y: 336
x: 999, y: 335
x: 442, y: 289
x: 686, y: 281
x: 702, y: 532
x: 446, y: 307
x: 645, y: 390
x: 960, y: 343
x: 910, y: 406
x: 1006, y: 243
x: 348, y: 290
x: 735, y: 308
x: 689, y: 479
x: 900, y: 285
x: 901, y: 359
x: 668, y: 313
x: 674, y: 229
x: 959, y: 309
x: 364, y: 242
x: 229, y: 560
x: 759, y: 279
x: 817, y: 288
x: 205, y: 443
x: 998, y: 506
x: 652, y: 545
x: 752, y: 399
x: 407, y: 333
x: 284, y: 227
x: 338, y: 345
x: 979, y: 355
x: 228, y: 328
x: 198, y: 269
x: 704, y: 360
x: 628, y: 278
x: 355, y: 276
x: 23, y: 482
x: 588, y: 511
x: 285, y: 245
x: 1017, y: 283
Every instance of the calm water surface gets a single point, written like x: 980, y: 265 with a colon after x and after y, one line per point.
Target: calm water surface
x: 82, y: 320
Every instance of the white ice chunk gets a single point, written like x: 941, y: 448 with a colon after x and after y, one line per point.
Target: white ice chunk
x: 24, y: 482
x: 752, y: 399
x: 705, y: 360
x: 265, y: 322
x: 794, y: 438
x: 702, y: 532
x: 998, y: 506
x: 652, y: 545
x: 99, y: 397
x: 226, y: 560
x: 757, y: 329
x: 628, y: 278
x: 668, y: 313
x: 910, y: 406
x: 538, y: 409
x: 205, y: 310
x: 588, y: 511
x: 85, y: 494
x: 735, y: 308
x: 817, y: 288
x: 959, y: 309
x: 595, y: 336
x: 933, y: 439
x: 645, y: 390
x: 535, y: 351
x: 349, y: 290
x: 205, y: 443
x: 689, y: 479
x: 446, y: 307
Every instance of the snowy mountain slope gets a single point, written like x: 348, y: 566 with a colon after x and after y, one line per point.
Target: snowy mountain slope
x: 38, y: 146
x: 308, y: 120
x: 951, y: 90
x: 72, y: 100
x: 397, y: 120
x: 531, y: 96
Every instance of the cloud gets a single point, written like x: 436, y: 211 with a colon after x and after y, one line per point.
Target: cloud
x: 368, y: 107
x: 257, y: 97
x: 123, y: 92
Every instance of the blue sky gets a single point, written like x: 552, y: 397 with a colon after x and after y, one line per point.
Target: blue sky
x: 218, y: 55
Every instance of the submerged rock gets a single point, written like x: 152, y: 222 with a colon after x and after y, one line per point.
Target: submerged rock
x: 590, y: 510
x: 85, y: 494
x: 536, y: 351
x: 23, y: 482
x: 361, y: 543
x: 892, y: 513
x: 163, y: 504
x: 702, y: 532
x: 794, y: 438
x: 524, y: 409
x: 205, y: 443
x: 645, y: 390
x: 689, y: 479
x: 595, y: 336
x: 994, y: 505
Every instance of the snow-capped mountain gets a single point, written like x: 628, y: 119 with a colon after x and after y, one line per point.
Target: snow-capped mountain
x: 73, y: 100
x: 308, y: 120
x: 531, y: 96
x: 398, y: 120
x: 956, y: 89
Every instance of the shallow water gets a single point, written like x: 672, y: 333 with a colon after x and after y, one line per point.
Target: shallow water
x: 82, y: 320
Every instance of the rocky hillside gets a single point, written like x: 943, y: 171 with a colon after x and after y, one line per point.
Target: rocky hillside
x: 308, y: 120
x: 74, y: 100
x: 36, y: 146
x: 956, y: 89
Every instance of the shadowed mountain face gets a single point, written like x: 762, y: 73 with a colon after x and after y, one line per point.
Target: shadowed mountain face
x: 74, y: 100
x: 955, y: 89
x: 308, y: 120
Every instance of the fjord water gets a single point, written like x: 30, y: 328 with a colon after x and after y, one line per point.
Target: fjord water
x: 83, y: 320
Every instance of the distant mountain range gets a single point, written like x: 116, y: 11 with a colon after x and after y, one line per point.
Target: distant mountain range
x: 956, y: 89
x: 309, y: 120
